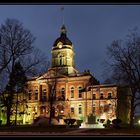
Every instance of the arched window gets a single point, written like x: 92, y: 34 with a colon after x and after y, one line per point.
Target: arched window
x: 36, y: 94
x: 110, y: 108
x: 80, y: 92
x: 101, y: 96
x: 101, y: 108
x: 94, y: 108
x: 72, y: 110
x: 30, y: 95
x: 94, y: 96
x: 44, y: 95
x: 72, y: 92
x: 109, y: 95
x: 60, y: 60
x: 80, y: 109
x: 42, y: 109
x: 63, y: 93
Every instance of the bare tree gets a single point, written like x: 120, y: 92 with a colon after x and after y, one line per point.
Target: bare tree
x: 17, y: 44
x: 125, y: 65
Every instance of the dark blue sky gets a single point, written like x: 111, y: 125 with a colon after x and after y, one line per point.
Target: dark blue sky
x: 90, y: 27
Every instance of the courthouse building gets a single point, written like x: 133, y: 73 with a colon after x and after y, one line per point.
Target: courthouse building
x: 75, y: 94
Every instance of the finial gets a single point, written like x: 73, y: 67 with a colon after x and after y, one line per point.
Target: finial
x: 63, y: 29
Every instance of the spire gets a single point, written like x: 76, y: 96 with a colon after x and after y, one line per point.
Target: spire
x: 62, y: 9
x: 63, y: 28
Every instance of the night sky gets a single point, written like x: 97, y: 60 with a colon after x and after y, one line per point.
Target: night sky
x: 91, y: 28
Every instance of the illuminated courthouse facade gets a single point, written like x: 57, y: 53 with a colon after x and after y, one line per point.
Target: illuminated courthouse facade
x: 74, y: 94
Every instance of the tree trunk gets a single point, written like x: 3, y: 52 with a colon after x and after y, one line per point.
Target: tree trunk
x: 132, y: 113
x: 51, y: 110
x: 16, y: 109
x: 8, y: 115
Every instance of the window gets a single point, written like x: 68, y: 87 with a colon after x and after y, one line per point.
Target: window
x: 101, y: 108
x: 30, y: 95
x: 101, y: 96
x: 109, y: 95
x: 80, y: 109
x: 44, y: 95
x: 36, y: 109
x: 63, y: 94
x: 110, y: 108
x: 93, y: 108
x: 80, y: 92
x: 60, y: 60
x: 72, y: 92
x: 72, y: 110
x: 36, y: 94
x: 42, y: 109
x: 93, y: 96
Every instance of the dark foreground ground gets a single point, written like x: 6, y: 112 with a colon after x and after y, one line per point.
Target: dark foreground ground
x: 66, y: 131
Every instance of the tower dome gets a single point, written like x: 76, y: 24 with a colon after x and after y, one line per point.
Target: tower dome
x: 63, y: 37
x: 63, y: 53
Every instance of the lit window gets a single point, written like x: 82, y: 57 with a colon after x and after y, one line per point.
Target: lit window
x: 110, y: 108
x: 101, y: 108
x: 42, y: 109
x: 80, y: 109
x: 72, y: 110
x: 72, y: 92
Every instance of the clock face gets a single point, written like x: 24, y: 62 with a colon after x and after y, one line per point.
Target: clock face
x: 60, y: 46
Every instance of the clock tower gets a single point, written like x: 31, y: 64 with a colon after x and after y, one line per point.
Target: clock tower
x: 63, y: 54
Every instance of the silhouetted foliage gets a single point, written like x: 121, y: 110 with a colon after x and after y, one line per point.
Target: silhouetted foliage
x: 17, y: 44
x: 69, y: 121
x: 116, y: 123
x: 16, y: 85
x: 124, y: 62
x: 17, y: 49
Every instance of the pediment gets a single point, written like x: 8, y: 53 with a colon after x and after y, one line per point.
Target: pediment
x: 51, y: 73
